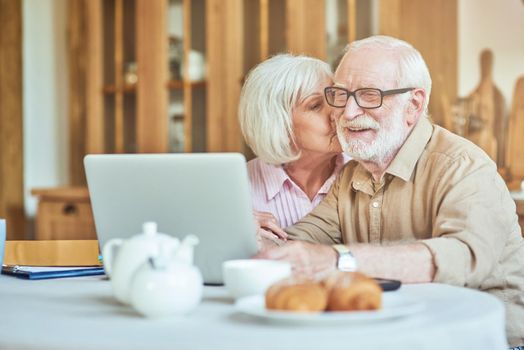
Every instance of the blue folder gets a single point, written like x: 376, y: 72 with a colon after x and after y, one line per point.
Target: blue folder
x: 43, y: 273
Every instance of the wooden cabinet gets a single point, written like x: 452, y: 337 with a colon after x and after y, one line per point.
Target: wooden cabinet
x: 129, y: 95
x: 11, y: 119
x: 137, y: 77
x: 132, y: 75
x: 64, y: 213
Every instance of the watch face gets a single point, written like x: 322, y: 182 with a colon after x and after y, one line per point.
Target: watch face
x: 347, y: 262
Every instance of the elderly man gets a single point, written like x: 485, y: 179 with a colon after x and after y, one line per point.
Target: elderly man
x: 419, y: 204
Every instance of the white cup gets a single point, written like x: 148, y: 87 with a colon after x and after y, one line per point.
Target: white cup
x: 2, y: 240
x: 252, y: 276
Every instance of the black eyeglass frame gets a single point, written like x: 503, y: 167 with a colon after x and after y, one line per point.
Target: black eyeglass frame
x: 353, y: 93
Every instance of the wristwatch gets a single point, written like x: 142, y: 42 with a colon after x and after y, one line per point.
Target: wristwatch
x: 345, y: 260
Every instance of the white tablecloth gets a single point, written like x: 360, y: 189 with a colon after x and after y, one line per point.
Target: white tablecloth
x: 80, y: 313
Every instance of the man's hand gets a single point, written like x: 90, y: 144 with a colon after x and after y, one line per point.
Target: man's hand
x: 305, y: 258
x: 267, y: 240
x: 269, y: 223
x: 409, y: 263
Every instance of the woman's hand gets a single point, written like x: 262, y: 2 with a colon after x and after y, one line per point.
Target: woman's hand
x: 268, y: 222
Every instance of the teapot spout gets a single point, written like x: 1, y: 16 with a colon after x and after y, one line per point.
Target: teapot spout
x: 190, y: 240
x: 184, y: 253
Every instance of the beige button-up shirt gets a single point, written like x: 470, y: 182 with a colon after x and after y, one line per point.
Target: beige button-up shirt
x: 445, y: 192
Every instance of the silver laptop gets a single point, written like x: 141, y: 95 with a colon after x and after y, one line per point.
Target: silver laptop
x: 203, y: 194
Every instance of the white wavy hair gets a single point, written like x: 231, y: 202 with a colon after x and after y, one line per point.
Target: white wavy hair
x: 412, y: 69
x: 271, y: 91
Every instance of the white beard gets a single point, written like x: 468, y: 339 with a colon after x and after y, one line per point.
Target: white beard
x: 389, y: 138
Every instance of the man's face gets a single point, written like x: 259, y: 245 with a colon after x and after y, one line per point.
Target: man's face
x: 371, y: 134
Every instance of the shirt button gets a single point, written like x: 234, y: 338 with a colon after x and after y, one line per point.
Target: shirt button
x: 375, y: 204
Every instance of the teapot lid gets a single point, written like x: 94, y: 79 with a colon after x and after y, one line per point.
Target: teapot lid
x: 151, y: 235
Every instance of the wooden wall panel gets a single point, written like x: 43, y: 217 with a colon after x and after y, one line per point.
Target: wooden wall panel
x: 11, y: 119
x: 152, y: 68
x: 84, y: 51
x: 431, y: 27
x: 225, y: 68
x: 253, y: 47
x: 187, y: 89
x: 305, y: 24
x: 352, y: 20
x: 94, y: 70
x: 77, y: 76
x: 389, y: 17
x: 277, y: 27
x: 118, y: 58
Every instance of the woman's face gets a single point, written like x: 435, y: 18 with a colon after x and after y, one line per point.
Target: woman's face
x: 313, y: 127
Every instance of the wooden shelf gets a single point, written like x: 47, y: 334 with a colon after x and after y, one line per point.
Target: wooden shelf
x: 62, y: 193
x: 111, y: 89
x: 179, y: 84
x: 171, y: 85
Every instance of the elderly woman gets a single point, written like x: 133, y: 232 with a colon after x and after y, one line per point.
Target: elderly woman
x: 286, y: 122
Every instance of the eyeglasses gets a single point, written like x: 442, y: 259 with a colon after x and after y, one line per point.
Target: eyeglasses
x: 368, y: 98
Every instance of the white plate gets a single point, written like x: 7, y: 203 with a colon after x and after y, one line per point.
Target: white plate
x: 394, y: 306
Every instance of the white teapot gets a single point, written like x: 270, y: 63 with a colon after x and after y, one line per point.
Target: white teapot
x: 168, y: 284
x: 123, y: 257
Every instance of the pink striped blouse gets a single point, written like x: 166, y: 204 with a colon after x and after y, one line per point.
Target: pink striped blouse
x: 273, y: 191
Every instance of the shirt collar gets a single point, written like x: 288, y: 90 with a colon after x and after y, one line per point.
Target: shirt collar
x: 407, y: 157
x: 275, y: 177
x: 362, y: 181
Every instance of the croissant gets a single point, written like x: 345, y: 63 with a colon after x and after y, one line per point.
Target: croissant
x: 294, y: 294
x: 352, y: 291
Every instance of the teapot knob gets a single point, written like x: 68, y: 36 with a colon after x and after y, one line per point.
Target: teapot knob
x: 149, y: 228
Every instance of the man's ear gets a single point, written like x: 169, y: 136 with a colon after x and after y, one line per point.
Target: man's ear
x: 415, y: 106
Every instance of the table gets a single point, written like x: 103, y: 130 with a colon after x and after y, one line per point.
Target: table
x: 80, y: 313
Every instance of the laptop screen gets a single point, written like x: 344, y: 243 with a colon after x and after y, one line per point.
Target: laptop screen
x: 204, y: 194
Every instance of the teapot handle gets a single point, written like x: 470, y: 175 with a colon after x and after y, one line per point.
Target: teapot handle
x: 107, y: 254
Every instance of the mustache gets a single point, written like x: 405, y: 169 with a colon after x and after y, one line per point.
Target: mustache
x: 362, y: 122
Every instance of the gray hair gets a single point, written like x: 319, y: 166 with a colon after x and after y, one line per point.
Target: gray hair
x: 271, y: 91
x: 412, y: 69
